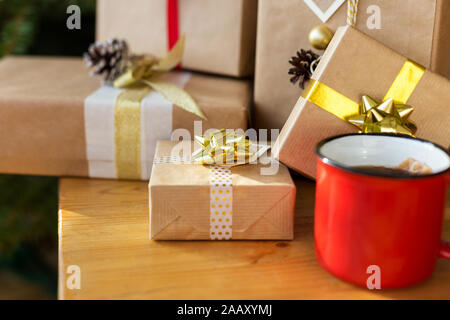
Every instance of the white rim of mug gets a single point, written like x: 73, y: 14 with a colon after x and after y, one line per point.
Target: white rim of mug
x: 363, y: 172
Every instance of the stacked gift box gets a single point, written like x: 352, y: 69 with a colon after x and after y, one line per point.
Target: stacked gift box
x: 367, y: 68
x: 64, y: 124
x: 58, y: 120
x: 418, y: 30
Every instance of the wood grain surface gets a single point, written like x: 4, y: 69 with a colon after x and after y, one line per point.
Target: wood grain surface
x: 103, y: 229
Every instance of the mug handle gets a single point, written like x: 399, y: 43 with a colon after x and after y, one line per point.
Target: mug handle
x: 444, y: 250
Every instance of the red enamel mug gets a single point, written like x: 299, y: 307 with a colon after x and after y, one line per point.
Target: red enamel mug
x: 383, y: 222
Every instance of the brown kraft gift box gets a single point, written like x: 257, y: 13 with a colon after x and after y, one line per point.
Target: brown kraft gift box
x: 43, y: 116
x: 220, y: 35
x: 355, y: 65
x: 262, y: 206
x: 417, y: 29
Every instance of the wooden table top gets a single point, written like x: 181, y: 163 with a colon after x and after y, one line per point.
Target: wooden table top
x: 103, y: 229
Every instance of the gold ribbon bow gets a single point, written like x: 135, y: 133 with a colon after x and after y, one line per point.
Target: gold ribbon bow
x: 386, y: 117
x: 226, y: 147
x: 147, y: 70
x: 390, y: 116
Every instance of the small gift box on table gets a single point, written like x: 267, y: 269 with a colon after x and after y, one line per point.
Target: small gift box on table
x: 57, y: 120
x: 201, y: 202
x: 355, y: 66
x: 220, y: 34
x: 417, y: 29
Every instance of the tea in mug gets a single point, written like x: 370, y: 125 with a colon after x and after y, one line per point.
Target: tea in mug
x: 409, y: 167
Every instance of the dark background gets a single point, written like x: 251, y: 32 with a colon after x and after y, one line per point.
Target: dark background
x: 29, y: 205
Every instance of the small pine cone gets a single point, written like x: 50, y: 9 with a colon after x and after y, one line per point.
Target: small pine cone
x: 301, y: 70
x: 107, y: 58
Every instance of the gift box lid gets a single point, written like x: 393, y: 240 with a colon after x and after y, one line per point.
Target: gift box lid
x: 180, y: 199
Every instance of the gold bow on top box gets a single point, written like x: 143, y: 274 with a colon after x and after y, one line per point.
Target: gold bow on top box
x: 190, y: 201
x: 353, y: 66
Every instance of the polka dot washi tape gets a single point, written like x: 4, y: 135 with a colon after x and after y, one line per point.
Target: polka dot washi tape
x: 221, y: 203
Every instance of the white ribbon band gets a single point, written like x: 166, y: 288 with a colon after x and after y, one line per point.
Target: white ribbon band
x: 156, y: 124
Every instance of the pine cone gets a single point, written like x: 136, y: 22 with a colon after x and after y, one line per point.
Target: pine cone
x: 108, y: 58
x: 302, y: 67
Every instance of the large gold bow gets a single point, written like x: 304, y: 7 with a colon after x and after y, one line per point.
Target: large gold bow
x: 148, y: 70
x: 390, y: 116
x: 386, y: 117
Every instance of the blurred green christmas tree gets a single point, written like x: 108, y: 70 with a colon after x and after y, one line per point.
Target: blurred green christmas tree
x: 28, y: 205
x: 39, y: 27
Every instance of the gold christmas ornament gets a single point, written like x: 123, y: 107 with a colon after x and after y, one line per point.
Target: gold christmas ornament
x: 320, y: 37
x: 386, y: 117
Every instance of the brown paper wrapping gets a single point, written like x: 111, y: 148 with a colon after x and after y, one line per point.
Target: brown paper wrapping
x: 418, y: 29
x: 42, y: 112
x: 355, y: 65
x: 220, y: 35
x: 263, y: 205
